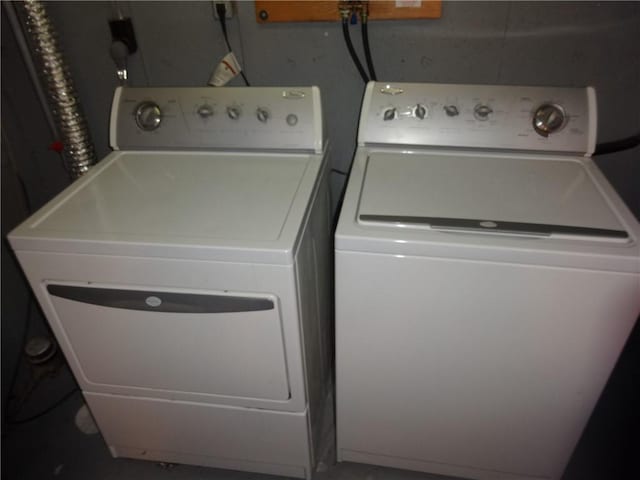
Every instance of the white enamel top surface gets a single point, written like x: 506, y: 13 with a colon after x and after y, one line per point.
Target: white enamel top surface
x: 179, y: 204
x: 174, y: 195
x: 488, y: 188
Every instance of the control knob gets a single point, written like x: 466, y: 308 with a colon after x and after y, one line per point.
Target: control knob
x: 292, y: 119
x: 205, y: 111
x: 262, y: 114
x: 420, y: 111
x: 482, y: 112
x: 234, y: 112
x: 148, y: 116
x: 451, y: 110
x: 548, y: 118
x: 389, y: 114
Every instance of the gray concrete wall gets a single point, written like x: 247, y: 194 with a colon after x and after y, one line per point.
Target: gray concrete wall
x: 541, y: 43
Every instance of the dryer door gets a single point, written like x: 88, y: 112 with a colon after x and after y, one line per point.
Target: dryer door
x: 217, y: 343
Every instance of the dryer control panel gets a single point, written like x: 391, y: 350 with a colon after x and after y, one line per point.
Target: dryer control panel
x: 551, y: 119
x: 230, y: 118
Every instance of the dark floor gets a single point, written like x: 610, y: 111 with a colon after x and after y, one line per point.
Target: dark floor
x: 53, y: 447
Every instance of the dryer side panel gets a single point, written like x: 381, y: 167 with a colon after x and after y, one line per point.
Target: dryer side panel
x: 314, y: 275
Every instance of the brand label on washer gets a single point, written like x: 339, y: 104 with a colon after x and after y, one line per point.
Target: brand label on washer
x: 488, y: 224
x: 153, y: 301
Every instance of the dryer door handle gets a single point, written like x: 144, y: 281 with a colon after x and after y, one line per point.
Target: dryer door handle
x: 159, y: 301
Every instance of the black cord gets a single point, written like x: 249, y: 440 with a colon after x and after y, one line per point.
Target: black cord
x: 16, y: 172
x: 14, y: 375
x: 352, y: 52
x: 221, y: 10
x: 367, y: 49
x: 25, y: 194
x: 618, y: 145
x: 45, y: 411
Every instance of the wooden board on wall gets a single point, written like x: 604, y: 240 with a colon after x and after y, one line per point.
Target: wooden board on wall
x: 268, y: 11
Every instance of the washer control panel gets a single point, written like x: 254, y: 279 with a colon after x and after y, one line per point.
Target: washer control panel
x: 551, y: 119
x: 243, y: 118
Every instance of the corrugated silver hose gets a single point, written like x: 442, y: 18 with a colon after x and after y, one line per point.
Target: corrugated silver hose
x: 79, y: 153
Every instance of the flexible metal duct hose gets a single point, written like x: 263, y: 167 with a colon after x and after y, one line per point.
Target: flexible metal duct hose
x: 79, y: 153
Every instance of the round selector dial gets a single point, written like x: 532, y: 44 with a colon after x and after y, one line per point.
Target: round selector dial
x: 205, y: 111
x: 148, y: 116
x: 234, y: 112
x: 389, y: 114
x: 420, y: 111
x: 451, y: 110
x: 262, y: 114
x: 548, y: 118
x: 482, y: 112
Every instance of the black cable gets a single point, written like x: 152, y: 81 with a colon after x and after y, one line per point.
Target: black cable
x: 352, y: 52
x: 221, y: 10
x: 45, y: 411
x: 14, y: 375
x: 618, y: 145
x: 16, y: 172
x: 7, y: 417
x: 25, y: 193
x: 367, y: 49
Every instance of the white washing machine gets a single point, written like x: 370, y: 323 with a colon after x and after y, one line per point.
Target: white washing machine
x: 187, y: 277
x: 487, y: 277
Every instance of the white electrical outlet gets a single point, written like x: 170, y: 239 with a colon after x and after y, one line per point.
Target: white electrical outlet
x: 228, y: 6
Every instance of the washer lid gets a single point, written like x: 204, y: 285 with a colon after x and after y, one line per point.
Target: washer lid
x: 194, y: 200
x: 488, y: 194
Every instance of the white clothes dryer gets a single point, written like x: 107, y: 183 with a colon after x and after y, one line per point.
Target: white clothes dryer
x: 187, y: 277
x: 487, y: 277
